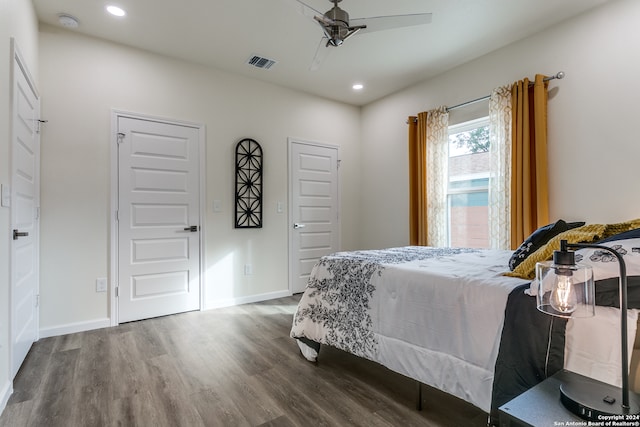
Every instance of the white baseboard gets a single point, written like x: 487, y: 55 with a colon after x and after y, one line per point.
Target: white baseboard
x: 229, y: 302
x: 5, y: 393
x: 71, y: 328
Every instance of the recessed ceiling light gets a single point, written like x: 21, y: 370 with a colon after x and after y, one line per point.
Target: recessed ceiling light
x: 358, y: 86
x: 116, y: 11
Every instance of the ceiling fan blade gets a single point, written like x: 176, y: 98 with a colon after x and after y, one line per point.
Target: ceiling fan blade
x: 321, y: 54
x: 305, y: 9
x: 380, y: 23
x: 310, y: 12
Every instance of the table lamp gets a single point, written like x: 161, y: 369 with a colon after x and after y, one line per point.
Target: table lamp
x: 566, y: 289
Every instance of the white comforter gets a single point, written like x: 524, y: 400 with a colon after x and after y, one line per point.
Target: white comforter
x: 433, y: 314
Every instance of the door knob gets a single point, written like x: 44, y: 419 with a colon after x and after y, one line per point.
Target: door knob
x: 17, y: 234
x: 296, y: 225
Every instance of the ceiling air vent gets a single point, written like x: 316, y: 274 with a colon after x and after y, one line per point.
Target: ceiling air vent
x: 261, y: 62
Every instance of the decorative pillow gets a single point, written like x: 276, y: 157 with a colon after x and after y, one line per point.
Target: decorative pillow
x: 605, y: 264
x: 539, y: 238
x: 606, y: 271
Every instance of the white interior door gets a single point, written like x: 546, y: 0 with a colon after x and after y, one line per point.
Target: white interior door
x: 158, y: 219
x: 25, y: 202
x: 314, y: 208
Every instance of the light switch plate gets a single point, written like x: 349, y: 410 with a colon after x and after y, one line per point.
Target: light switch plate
x: 101, y: 284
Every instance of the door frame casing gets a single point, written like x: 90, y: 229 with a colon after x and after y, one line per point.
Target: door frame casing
x: 113, y: 241
x: 300, y: 141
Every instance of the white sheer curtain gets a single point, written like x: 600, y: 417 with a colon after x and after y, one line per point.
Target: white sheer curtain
x: 437, y: 175
x: 500, y: 166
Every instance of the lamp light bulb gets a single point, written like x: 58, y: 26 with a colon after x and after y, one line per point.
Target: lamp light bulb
x: 563, y: 296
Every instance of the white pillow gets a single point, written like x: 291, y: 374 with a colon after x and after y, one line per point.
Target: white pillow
x: 605, y: 264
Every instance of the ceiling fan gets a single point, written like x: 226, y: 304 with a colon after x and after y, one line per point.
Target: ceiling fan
x: 337, y: 27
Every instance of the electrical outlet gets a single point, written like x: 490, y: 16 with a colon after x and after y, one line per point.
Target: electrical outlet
x: 248, y: 270
x: 101, y: 284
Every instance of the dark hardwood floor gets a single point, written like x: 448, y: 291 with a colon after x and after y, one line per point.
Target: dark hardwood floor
x: 228, y: 367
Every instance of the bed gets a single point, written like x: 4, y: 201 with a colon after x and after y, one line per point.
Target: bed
x: 447, y: 317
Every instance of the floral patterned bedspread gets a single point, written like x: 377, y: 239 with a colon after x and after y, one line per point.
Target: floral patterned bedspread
x: 336, y: 304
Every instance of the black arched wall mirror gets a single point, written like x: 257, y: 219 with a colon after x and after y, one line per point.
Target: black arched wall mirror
x: 249, y: 163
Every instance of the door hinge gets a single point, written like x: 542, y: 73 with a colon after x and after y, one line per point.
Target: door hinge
x: 117, y: 291
x: 37, y: 300
x: 338, y: 164
x: 116, y: 216
x: 37, y: 213
x: 121, y: 137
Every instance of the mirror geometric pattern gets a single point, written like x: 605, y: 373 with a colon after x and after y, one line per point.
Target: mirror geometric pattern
x: 249, y: 160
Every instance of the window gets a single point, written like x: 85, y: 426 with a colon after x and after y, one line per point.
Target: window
x: 468, y: 184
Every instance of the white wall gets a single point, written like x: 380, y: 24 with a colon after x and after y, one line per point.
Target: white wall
x: 17, y: 20
x: 594, y: 145
x: 82, y: 79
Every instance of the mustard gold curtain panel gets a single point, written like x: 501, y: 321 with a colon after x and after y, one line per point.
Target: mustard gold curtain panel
x: 428, y: 154
x: 529, y: 182
x: 418, y: 229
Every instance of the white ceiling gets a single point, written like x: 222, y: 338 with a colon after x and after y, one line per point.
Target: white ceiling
x: 224, y: 33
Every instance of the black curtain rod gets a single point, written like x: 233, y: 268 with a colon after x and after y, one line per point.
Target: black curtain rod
x: 559, y: 75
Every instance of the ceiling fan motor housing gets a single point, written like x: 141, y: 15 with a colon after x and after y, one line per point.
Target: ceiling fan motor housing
x: 340, y: 29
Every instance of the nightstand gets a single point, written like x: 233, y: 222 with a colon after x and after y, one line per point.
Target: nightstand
x: 539, y: 406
